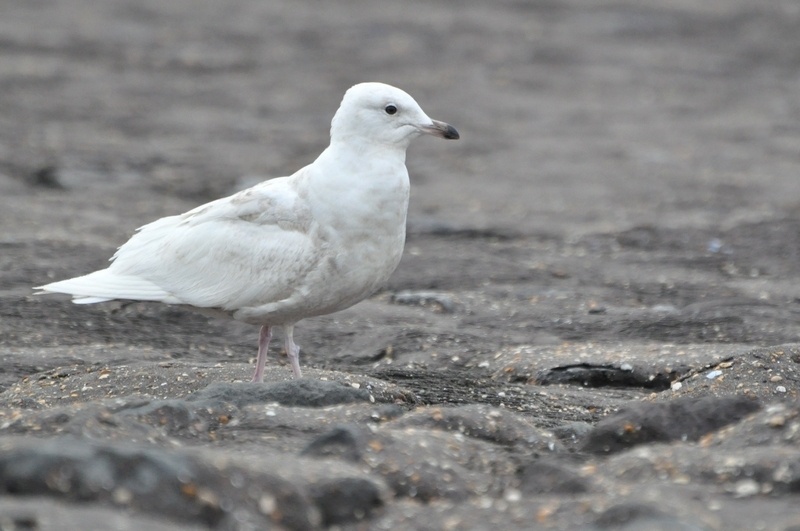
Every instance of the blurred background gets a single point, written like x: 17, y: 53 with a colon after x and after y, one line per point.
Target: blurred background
x: 621, y: 161
x: 575, y: 115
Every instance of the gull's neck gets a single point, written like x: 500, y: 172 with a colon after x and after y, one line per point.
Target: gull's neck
x: 366, y: 180
x: 359, y: 156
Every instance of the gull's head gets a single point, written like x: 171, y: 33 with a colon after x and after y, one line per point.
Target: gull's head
x: 382, y: 114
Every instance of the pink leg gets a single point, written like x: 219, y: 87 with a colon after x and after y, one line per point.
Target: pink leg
x: 263, y: 346
x: 292, y: 350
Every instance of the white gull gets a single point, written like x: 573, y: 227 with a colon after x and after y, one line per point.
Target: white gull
x: 293, y: 247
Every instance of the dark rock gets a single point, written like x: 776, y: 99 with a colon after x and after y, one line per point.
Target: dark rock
x: 346, y: 500
x: 635, y: 516
x: 41, y: 513
x: 572, y: 432
x: 767, y: 373
x: 345, y: 442
x: 130, y: 419
x: 386, y: 412
x: 776, y: 425
x: 430, y: 465
x: 551, y: 477
x: 304, y: 392
x: 173, y: 415
x: 147, y: 479
x: 683, y: 419
x: 482, y: 422
x: 592, y: 375
x: 622, y: 364
x: 45, y: 177
x: 744, y: 473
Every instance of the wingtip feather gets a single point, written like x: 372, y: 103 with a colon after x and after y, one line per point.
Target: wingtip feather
x: 104, y: 285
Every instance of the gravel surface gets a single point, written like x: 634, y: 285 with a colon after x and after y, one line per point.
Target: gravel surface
x: 595, y: 325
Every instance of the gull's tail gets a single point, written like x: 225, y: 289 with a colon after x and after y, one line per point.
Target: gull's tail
x: 105, y: 285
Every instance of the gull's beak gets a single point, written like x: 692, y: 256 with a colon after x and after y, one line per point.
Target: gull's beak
x: 440, y: 129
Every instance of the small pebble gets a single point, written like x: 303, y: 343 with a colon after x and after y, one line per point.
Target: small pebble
x: 746, y: 487
x: 777, y: 421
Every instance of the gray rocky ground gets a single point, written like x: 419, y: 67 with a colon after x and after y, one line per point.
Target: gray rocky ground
x: 596, y: 324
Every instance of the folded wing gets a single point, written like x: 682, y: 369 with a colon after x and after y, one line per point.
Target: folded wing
x: 249, y: 249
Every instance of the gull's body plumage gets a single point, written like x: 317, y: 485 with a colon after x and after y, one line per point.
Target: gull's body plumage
x: 310, y: 244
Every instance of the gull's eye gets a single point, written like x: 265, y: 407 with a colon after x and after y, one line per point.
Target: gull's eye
x: 390, y: 109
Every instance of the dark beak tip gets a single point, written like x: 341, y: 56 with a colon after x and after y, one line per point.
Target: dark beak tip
x: 450, y: 133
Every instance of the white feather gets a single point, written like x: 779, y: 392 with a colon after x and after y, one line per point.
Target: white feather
x: 104, y: 285
x: 289, y: 248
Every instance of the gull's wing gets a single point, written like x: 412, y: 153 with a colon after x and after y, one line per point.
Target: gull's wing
x: 252, y: 248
